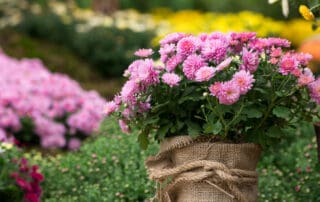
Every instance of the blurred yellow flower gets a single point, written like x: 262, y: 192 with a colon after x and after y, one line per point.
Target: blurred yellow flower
x: 297, y: 31
x: 306, y: 12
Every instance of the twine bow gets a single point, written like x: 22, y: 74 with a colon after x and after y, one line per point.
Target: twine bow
x: 205, y: 171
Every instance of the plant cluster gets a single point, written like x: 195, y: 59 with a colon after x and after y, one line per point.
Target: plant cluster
x: 111, y: 168
x: 28, y: 179
x: 108, y: 168
x: 107, y: 49
x: 37, y: 106
x: 293, y: 175
x: 234, y: 86
x: 18, y: 180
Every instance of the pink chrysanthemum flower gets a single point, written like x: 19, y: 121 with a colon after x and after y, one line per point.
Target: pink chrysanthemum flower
x: 314, y: 89
x: 204, y: 74
x: 297, y: 72
x: 250, y: 60
x: 188, y: 45
x: 306, y: 78
x: 144, y: 52
x: 110, y: 107
x: 124, y: 126
x: 192, y: 64
x: 128, y: 91
x: 215, y: 50
x: 243, y: 36
x: 288, y: 64
x: 303, y: 58
x: 144, y: 71
x: 173, y: 62
x: 166, y: 51
x: 215, y: 88
x: 275, y: 52
x: 172, y: 38
x: 229, y: 93
x: 244, y: 80
x: 171, y: 79
x: 224, y: 64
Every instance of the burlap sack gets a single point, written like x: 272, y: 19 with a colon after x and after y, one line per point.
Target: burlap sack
x: 188, y: 170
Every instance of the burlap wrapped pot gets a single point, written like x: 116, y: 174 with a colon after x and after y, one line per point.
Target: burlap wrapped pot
x: 199, y: 170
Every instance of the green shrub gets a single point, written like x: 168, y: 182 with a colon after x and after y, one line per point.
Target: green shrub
x: 109, y: 168
x: 290, y: 172
x: 108, y: 49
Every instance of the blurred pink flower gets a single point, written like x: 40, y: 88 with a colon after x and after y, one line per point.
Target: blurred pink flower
x: 144, y: 52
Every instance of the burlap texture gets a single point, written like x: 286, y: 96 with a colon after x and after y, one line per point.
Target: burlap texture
x: 188, y: 170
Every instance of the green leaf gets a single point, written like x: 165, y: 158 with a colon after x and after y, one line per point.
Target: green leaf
x: 211, y: 127
x: 193, y: 129
x: 275, y: 132
x: 163, y: 130
x: 281, y: 112
x: 143, y: 139
x: 158, y: 106
x: 252, y: 113
x: 217, y: 127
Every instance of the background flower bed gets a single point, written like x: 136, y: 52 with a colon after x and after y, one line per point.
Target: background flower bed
x: 111, y: 168
x: 39, y: 107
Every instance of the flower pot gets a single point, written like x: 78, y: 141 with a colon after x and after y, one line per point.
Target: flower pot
x: 200, y: 170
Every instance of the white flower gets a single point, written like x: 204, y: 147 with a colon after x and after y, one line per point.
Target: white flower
x: 284, y: 4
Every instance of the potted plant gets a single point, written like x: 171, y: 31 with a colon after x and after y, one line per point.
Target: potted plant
x: 213, y: 101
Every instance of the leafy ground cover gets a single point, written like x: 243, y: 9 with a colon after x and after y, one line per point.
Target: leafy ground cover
x: 111, y: 168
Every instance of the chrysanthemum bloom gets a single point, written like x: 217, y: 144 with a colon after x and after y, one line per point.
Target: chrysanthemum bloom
x: 171, y: 79
x: 126, y: 113
x: 306, y: 12
x: 172, y: 38
x: 214, y: 50
x: 250, y: 60
x: 288, y: 64
x: 306, y: 78
x: 229, y: 93
x: 215, y: 88
x: 204, y: 74
x: 275, y: 52
x: 173, y: 62
x: 144, y: 52
x: 110, y: 107
x: 314, y: 89
x: 124, y: 126
x: 224, y: 64
x: 166, y: 51
x: 296, y: 72
x: 188, y: 45
x: 128, y: 91
x: 244, y: 80
x: 192, y: 64
x: 143, y: 71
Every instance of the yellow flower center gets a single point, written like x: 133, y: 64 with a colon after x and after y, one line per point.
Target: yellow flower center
x: 306, y: 12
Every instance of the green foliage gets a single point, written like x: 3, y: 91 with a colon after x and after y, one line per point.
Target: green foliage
x: 9, y: 192
x: 109, y: 168
x: 20, y: 45
x: 109, y: 50
x: 290, y: 171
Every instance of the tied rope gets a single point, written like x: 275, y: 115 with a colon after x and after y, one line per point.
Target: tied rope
x: 201, y: 170
x: 209, y: 172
